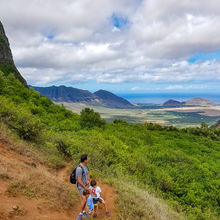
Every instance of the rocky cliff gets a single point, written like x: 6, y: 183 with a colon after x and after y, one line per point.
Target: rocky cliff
x: 7, y: 65
x: 68, y: 94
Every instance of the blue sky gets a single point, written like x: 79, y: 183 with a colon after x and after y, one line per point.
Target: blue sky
x: 209, y: 87
x: 199, y: 56
x: 119, y: 21
x: 126, y: 46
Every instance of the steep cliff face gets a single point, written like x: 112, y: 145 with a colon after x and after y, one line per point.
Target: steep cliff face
x: 6, y: 60
x: 68, y: 94
x: 5, y: 55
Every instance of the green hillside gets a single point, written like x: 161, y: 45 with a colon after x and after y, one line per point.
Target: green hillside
x: 179, y: 165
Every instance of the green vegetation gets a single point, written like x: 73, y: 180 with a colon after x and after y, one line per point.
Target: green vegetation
x: 179, y: 165
x: 10, y: 68
x: 91, y: 119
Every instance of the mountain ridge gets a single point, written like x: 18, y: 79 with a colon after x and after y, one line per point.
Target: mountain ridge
x: 197, y: 101
x: 69, y: 94
x: 107, y: 97
x: 173, y: 103
x: 6, y: 59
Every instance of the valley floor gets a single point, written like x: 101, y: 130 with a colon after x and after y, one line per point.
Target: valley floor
x: 179, y: 117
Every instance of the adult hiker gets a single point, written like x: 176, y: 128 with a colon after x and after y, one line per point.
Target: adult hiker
x: 83, y: 179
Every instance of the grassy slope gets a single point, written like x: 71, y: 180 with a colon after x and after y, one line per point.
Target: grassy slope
x: 180, y: 167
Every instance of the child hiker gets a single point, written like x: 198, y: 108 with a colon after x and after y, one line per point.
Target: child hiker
x: 90, y: 205
x: 95, y: 192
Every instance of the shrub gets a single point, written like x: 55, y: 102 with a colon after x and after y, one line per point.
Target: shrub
x: 90, y: 119
x: 18, y: 118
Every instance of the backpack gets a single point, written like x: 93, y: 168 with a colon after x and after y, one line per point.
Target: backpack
x: 73, y: 179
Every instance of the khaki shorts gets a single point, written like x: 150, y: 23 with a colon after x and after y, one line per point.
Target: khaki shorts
x: 81, y: 189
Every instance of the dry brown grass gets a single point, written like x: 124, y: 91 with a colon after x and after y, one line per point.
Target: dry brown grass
x: 16, y: 167
x: 39, y: 183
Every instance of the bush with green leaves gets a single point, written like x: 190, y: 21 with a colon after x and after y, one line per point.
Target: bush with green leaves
x: 18, y: 118
x: 90, y: 119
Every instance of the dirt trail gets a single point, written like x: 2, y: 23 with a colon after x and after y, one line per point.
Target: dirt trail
x: 38, y: 208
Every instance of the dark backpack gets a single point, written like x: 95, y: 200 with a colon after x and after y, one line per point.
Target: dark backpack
x: 73, y: 178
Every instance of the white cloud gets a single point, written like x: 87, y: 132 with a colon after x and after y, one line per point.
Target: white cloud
x: 185, y: 87
x: 68, y: 41
x: 115, y: 29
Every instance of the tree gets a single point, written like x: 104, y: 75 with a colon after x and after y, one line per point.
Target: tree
x: 90, y: 119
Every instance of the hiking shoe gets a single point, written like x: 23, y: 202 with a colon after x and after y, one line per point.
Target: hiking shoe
x: 107, y: 213
x: 85, y: 214
x: 95, y: 215
x: 79, y: 217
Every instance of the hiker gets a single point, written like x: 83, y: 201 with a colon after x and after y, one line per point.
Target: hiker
x: 96, y: 196
x: 82, y: 177
x: 90, y: 205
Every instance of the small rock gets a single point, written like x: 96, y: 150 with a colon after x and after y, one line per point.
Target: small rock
x: 33, y: 164
x: 15, y: 207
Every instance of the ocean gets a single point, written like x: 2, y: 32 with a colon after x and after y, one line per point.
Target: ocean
x: 159, y: 98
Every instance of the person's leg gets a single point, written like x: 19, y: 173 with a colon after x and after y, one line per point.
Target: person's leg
x: 83, y: 203
x: 95, y: 207
x: 104, y: 203
x: 83, y: 206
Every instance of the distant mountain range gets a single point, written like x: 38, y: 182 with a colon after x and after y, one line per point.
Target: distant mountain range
x: 70, y: 94
x: 191, y: 102
x: 105, y: 98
